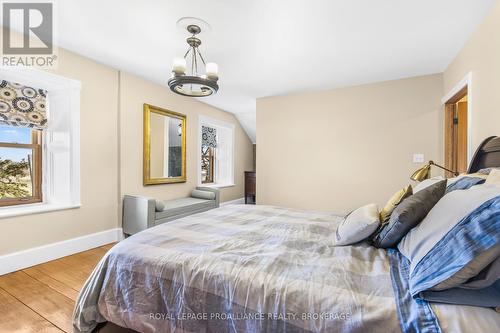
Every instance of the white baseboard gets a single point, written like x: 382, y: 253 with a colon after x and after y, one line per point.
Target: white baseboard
x: 19, y: 260
x: 233, y: 202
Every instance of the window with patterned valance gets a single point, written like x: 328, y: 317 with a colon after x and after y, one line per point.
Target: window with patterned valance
x: 22, y: 117
x: 216, y: 140
x: 208, y: 145
x: 22, y: 106
x: 208, y: 137
x: 39, y: 148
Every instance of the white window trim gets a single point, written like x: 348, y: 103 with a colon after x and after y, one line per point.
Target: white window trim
x: 61, y: 141
x: 465, y: 82
x: 212, y: 122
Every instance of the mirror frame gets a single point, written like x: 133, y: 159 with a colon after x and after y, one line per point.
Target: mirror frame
x: 147, y: 180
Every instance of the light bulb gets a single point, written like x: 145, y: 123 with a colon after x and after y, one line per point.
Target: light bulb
x: 212, y: 70
x: 179, y: 66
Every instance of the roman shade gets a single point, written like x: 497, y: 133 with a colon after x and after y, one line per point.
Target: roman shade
x: 208, y: 136
x: 22, y: 105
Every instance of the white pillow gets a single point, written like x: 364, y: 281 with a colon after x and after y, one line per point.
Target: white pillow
x: 358, y: 225
x: 450, y: 210
x: 159, y: 205
x: 493, y: 177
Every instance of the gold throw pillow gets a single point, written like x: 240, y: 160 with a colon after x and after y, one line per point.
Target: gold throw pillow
x: 395, y: 200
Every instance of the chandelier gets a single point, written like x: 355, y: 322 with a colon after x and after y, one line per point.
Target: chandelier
x: 193, y: 84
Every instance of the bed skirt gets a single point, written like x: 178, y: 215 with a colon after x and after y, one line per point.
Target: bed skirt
x: 109, y: 327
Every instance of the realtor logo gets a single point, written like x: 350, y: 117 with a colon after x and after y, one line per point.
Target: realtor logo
x: 28, y: 33
x: 36, y: 22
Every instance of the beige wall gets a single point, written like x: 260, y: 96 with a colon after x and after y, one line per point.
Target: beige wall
x: 134, y: 92
x: 337, y: 150
x: 481, y: 56
x: 384, y: 122
x: 100, y: 154
x: 99, y: 165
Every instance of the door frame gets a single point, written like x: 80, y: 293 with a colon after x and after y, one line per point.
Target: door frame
x: 465, y: 83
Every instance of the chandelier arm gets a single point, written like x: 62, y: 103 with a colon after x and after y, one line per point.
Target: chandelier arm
x: 195, y: 63
x: 193, y: 57
x: 201, y: 57
x: 187, y: 52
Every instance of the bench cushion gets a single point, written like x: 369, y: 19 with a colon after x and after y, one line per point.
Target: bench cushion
x: 183, y: 205
x: 207, y: 195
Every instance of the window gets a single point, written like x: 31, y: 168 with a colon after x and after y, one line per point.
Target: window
x: 207, y: 164
x: 20, y: 165
x: 216, y: 160
x: 56, y: 160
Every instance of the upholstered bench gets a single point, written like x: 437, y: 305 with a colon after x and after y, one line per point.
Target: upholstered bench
x: 140, y: 213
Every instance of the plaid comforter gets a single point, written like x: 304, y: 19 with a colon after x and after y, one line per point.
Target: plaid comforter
x: 241, y: 269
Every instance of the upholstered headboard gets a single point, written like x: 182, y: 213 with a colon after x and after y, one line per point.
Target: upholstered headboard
x: 487, y: 155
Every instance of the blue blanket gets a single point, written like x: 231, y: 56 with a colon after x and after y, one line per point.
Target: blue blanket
x: 475, y: 234
x: 415, y: 315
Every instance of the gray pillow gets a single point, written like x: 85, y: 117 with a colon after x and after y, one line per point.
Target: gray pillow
x: 486, y: 171
x: 408, y: 214
x: 207, y: 195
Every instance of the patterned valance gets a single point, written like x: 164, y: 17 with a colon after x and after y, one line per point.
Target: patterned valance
x: 22, y: 105
x: 208, y: 136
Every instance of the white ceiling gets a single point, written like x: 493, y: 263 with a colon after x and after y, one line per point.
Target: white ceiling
x: 271, y: 47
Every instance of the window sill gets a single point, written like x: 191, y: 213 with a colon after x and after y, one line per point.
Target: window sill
x: 215, y: 185
x: 37, y: 208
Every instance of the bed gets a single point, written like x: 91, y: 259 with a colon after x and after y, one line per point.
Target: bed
x: 257, y: 269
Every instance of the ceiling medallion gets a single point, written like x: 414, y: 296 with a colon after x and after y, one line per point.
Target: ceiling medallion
x: 193, y: 84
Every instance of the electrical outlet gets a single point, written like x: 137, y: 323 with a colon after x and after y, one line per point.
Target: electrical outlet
x: 418, y: 158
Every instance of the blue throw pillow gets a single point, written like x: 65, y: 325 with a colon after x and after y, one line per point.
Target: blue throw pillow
x: 464, y: 183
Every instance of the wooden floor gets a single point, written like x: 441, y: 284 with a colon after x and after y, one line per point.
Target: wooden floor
x: 41, y: 298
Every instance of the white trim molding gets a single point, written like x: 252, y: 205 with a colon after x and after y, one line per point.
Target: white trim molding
x: 36, y: 208
x: 224, y: 166
x: 218, y: 185
x: 465, y: 82
x: 22, y: 259
x: 233, y: 202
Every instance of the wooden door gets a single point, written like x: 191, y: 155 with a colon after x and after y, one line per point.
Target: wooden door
x: 456, y: 133
x: 449, y: 138
x: 461, y: 128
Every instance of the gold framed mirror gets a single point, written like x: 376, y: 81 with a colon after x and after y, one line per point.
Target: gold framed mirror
x: 164, y: 159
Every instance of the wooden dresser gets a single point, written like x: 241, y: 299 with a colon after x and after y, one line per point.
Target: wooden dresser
x: 250, y: 187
